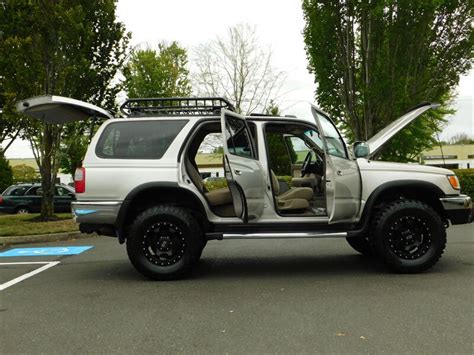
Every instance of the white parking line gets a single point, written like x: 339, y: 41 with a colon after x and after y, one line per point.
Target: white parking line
x: 46, y: 266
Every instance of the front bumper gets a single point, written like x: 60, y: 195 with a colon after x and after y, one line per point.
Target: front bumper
x: 95, y: 212
x: 458, y: 208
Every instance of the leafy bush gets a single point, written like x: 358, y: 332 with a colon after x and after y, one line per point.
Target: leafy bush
x: 6, y: 174
x: 25, y: 173
x: 466, y: 179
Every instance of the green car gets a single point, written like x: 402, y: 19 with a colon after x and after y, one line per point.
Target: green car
x: 26, y: 198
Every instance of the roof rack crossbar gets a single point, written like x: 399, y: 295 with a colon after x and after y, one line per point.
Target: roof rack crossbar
x: 175, y: 106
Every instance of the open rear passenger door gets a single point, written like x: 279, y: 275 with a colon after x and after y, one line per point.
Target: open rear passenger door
x: 58, y: 109
x: 242, y: 169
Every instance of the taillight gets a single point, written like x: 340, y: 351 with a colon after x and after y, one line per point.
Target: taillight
x: 80, y: 180
x: 1, y: 199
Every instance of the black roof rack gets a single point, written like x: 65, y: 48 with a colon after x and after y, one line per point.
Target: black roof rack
x: 175, y: 106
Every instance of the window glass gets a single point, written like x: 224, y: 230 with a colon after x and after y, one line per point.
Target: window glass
x: 138, y: 139
x: 60, y: 191
x: 335, y: 144
x: 299, y: 148
x: 238, y: 140
x: 35, y: 191
x: 315, y: 137
x: 16, y: 190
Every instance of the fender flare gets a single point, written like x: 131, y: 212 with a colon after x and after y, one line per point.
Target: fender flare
x: 127, y: 202
x: 367, y: 212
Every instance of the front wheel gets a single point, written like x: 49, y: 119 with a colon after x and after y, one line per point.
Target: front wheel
x: 164, y: 242
x: 409, y: 236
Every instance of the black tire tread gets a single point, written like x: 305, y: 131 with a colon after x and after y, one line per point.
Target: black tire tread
x: 185, y: 217
x: 395, y: 207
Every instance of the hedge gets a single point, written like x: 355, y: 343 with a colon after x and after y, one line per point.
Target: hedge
x: 6, y: 174
x: 466, y: 179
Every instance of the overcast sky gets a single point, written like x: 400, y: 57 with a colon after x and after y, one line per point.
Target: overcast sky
x: 279, y: 25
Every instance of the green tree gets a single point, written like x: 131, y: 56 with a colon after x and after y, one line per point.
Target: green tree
x: 280, y: 157
x: 161, y: 73
x: 24, y: 173
x: 76, y: 137
x: 70, y: 48
x: 6, y: 174
x: 373, y: 60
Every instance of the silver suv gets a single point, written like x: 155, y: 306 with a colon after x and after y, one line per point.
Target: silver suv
x: 140, y: 183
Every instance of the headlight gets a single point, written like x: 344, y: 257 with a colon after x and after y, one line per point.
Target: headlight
x: 453, y: 180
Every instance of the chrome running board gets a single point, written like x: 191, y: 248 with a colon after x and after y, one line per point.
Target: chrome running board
x: 283, y: 235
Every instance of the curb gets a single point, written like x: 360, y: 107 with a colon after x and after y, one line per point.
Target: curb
x: 41, y: 238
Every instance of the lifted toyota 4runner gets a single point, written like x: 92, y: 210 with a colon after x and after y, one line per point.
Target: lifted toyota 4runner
x: 140, y: 182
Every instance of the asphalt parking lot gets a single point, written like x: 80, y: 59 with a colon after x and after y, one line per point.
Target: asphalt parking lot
x: 280, y: 296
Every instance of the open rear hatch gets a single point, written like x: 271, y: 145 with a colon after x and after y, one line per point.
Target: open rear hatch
x: 58, y: 109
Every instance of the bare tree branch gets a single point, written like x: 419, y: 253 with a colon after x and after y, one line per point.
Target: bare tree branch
x: 239, y: 68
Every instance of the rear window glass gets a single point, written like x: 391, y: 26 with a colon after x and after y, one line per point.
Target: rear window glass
x: 138, y: 139
x: 16, y: 190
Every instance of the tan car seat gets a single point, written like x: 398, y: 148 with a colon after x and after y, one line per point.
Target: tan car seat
x: 216, y: 197
x: 296, y: 198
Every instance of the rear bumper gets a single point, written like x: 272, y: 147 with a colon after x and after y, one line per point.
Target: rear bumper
x: 96, y: 212
x: 458, y: 208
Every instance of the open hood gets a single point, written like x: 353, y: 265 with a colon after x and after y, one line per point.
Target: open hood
x: 377, y: 141
x: 58, y: 109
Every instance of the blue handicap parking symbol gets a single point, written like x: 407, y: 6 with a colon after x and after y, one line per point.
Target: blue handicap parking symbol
x: 42, y: 251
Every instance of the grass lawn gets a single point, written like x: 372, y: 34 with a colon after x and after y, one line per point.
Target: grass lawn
x: 13, y: 225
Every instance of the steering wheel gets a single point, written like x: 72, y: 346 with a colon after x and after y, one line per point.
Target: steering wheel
x: 306, y: 164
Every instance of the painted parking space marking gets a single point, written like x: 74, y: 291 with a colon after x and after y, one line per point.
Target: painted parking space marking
x: 46, y: 266
x: 44, y: 251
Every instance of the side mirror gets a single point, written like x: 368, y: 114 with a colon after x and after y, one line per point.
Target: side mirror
x: 361, y: 150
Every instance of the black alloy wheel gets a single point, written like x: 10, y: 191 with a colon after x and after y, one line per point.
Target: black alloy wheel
x: 409, y: 236
x: 164, y: 242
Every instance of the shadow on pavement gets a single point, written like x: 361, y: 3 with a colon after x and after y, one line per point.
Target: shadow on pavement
x: 230, y: 268
x: 286, y: 266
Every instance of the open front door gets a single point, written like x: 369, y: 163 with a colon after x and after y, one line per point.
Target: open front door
x: 342, y: 176
x: 58, y: 109
x: 243, y: 171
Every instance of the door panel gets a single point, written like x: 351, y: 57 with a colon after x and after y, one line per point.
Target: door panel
x: 342, y: 176
x: 243, y: 171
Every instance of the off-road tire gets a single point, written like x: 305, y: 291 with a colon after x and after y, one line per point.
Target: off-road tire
x: 158, y: 231
x: 361, y: 245
x: 408, y: 236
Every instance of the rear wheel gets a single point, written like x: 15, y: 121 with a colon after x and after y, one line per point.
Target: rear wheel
x: 164, y: 242
x: 409, y: 236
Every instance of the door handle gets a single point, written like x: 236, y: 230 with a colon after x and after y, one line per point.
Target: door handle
x: 237, y: 172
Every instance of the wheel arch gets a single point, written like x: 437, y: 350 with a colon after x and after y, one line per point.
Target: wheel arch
x: 22, y: 206
x: 152, y: 193
x: 424, y: 191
